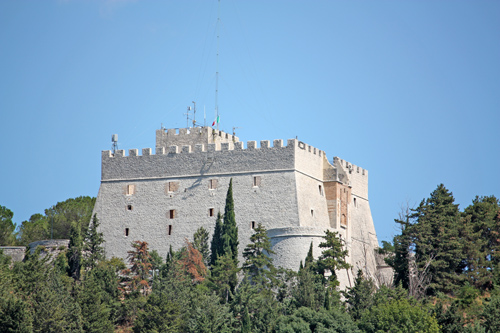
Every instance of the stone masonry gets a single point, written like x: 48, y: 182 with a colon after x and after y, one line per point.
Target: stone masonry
x: 291, y: 188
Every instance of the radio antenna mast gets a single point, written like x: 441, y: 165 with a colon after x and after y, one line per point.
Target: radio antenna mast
x: 217, y: 70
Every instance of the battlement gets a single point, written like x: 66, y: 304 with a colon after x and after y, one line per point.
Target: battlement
x: 349, y: 167
x: 212, y: 147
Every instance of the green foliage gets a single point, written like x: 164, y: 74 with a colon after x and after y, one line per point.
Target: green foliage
x: 398, y: 316
x: 437, y: 239
x: 208, y: 315
x: 307, y: 320
x: 159, y: 315
x: 93, y: 245
x: 7, y: 227
x: 140, y: 262
x: 223, y: 278
x: 360, y: 297
x: 95, y: 312
x: 15, y: 315
x: 57, y: 220
x: 491, y: 314
x: 333, y: 256
x: 74, y: 253
x: 216, y: 245
x: 481, y: 235
x: 229, y: 228
x: 258, y: 266
x: 200, y: 242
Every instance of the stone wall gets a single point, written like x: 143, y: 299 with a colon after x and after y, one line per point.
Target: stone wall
x: 15, y: 252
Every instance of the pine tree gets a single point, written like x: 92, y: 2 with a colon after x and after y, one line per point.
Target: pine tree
x: 309, y: 258
x: 200, y: 242
x: 216, y: 245
x: 93, y: 249
x: 437, y: 240
x: 360, y: 297
x: 258, y: 265
x: 333, y: 257
x: 229, y: 228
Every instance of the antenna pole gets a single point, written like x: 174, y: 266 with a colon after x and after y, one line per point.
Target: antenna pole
x: 217, y: 70
x: 194, y: 114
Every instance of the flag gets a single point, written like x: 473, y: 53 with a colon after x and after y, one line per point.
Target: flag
x: 216, y: 121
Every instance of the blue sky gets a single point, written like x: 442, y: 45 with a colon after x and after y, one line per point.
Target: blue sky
x: 409, y: 90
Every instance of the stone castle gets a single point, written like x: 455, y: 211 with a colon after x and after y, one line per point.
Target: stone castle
x: 292, y: 189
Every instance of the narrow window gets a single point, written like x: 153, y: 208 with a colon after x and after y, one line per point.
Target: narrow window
x: 312, y: 212
x: 172, y: 187
x: 212, y: 184
x: 129, y: 207
x: 130, y: 189
x: 256, y: 181
x: 171, y: 214
x: 210, y: 212
x: 354, y: 202
x: 320, y: 190
x: 253, y: 225
x: 126, y: 232
x: 169, y: 229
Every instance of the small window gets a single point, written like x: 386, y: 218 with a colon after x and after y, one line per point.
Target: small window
x: 210, y: 212
x: 172, y: 187
x: 129, y: 207
x: 312, y: 212
x: 169, y: 229
x: 130, y: 189
x: 256, y: 181
x: 320, y: 188
x: 126, y: 232
x: 171, y: 214
x: 212, y: 184
x: 253, y: 225
x: 354, y: 202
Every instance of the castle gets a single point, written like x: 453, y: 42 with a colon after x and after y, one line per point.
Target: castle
x: 292, y: 189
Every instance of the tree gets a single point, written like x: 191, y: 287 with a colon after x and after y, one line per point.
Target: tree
x: 223, y: 277
x: 7, y: 227
x: 159, y: 315
x: 437, y: 240
x: 140, y: 260
x: 191, y: 262
x: 360, y: 297
x: 93, y: 249
x: 72, y: 210
x: 334, y: 256
x: 481, y: 238
x: 200, y: 242
x: 308, y: 320
x: 258, y: 265
x: 229, y: 228
x: 36, y: 228
x: 398, y: 316
x: 74, y: 252
x: 216, y: 245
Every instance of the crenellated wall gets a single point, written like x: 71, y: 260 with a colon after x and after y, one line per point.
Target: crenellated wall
x: 293, y: 190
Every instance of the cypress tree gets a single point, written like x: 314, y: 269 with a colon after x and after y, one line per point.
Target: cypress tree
x: 216, y: 245
x: 309, y: 258
x: 94, y: 251
x: 75, y: 251
x: 229, y: 228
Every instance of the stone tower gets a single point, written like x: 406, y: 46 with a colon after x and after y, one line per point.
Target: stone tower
x: 292, y: 189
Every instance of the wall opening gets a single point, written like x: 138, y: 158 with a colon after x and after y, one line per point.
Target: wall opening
x: 312, y: 212
x: 256, y: 181
x: 253, y: 225
x: 320, y: 188
x: 126, y: 232
x: 169, y: 229
x: 354, y: 202
x: 130, y: 189
x: 171, y: 213
x: 129, y: 207
x: 212, y: 184
x: 211, y: 212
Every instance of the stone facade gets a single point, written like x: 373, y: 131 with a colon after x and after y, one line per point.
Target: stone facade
x: 292, y: 189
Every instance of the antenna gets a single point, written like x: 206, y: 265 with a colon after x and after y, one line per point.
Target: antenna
x: 234, y: 132
x: 114, y: 140
x: 217, y: 70
x: 187, y: 116
x: 194, y: 114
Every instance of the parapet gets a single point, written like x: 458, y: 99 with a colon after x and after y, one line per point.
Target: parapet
x: 349, y: 167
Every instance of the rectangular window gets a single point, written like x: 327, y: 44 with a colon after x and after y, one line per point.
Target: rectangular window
x: 171, y: 214
x: 253, y: 225
x: 211, y: 212
x: 126, y: 232
x: 172, y: 187
x: 320, y: 190
x: 256, y: 181
x: 212, y: 184
x: 169, y: 229
x: 129, y: 207
x: 130, y: 189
